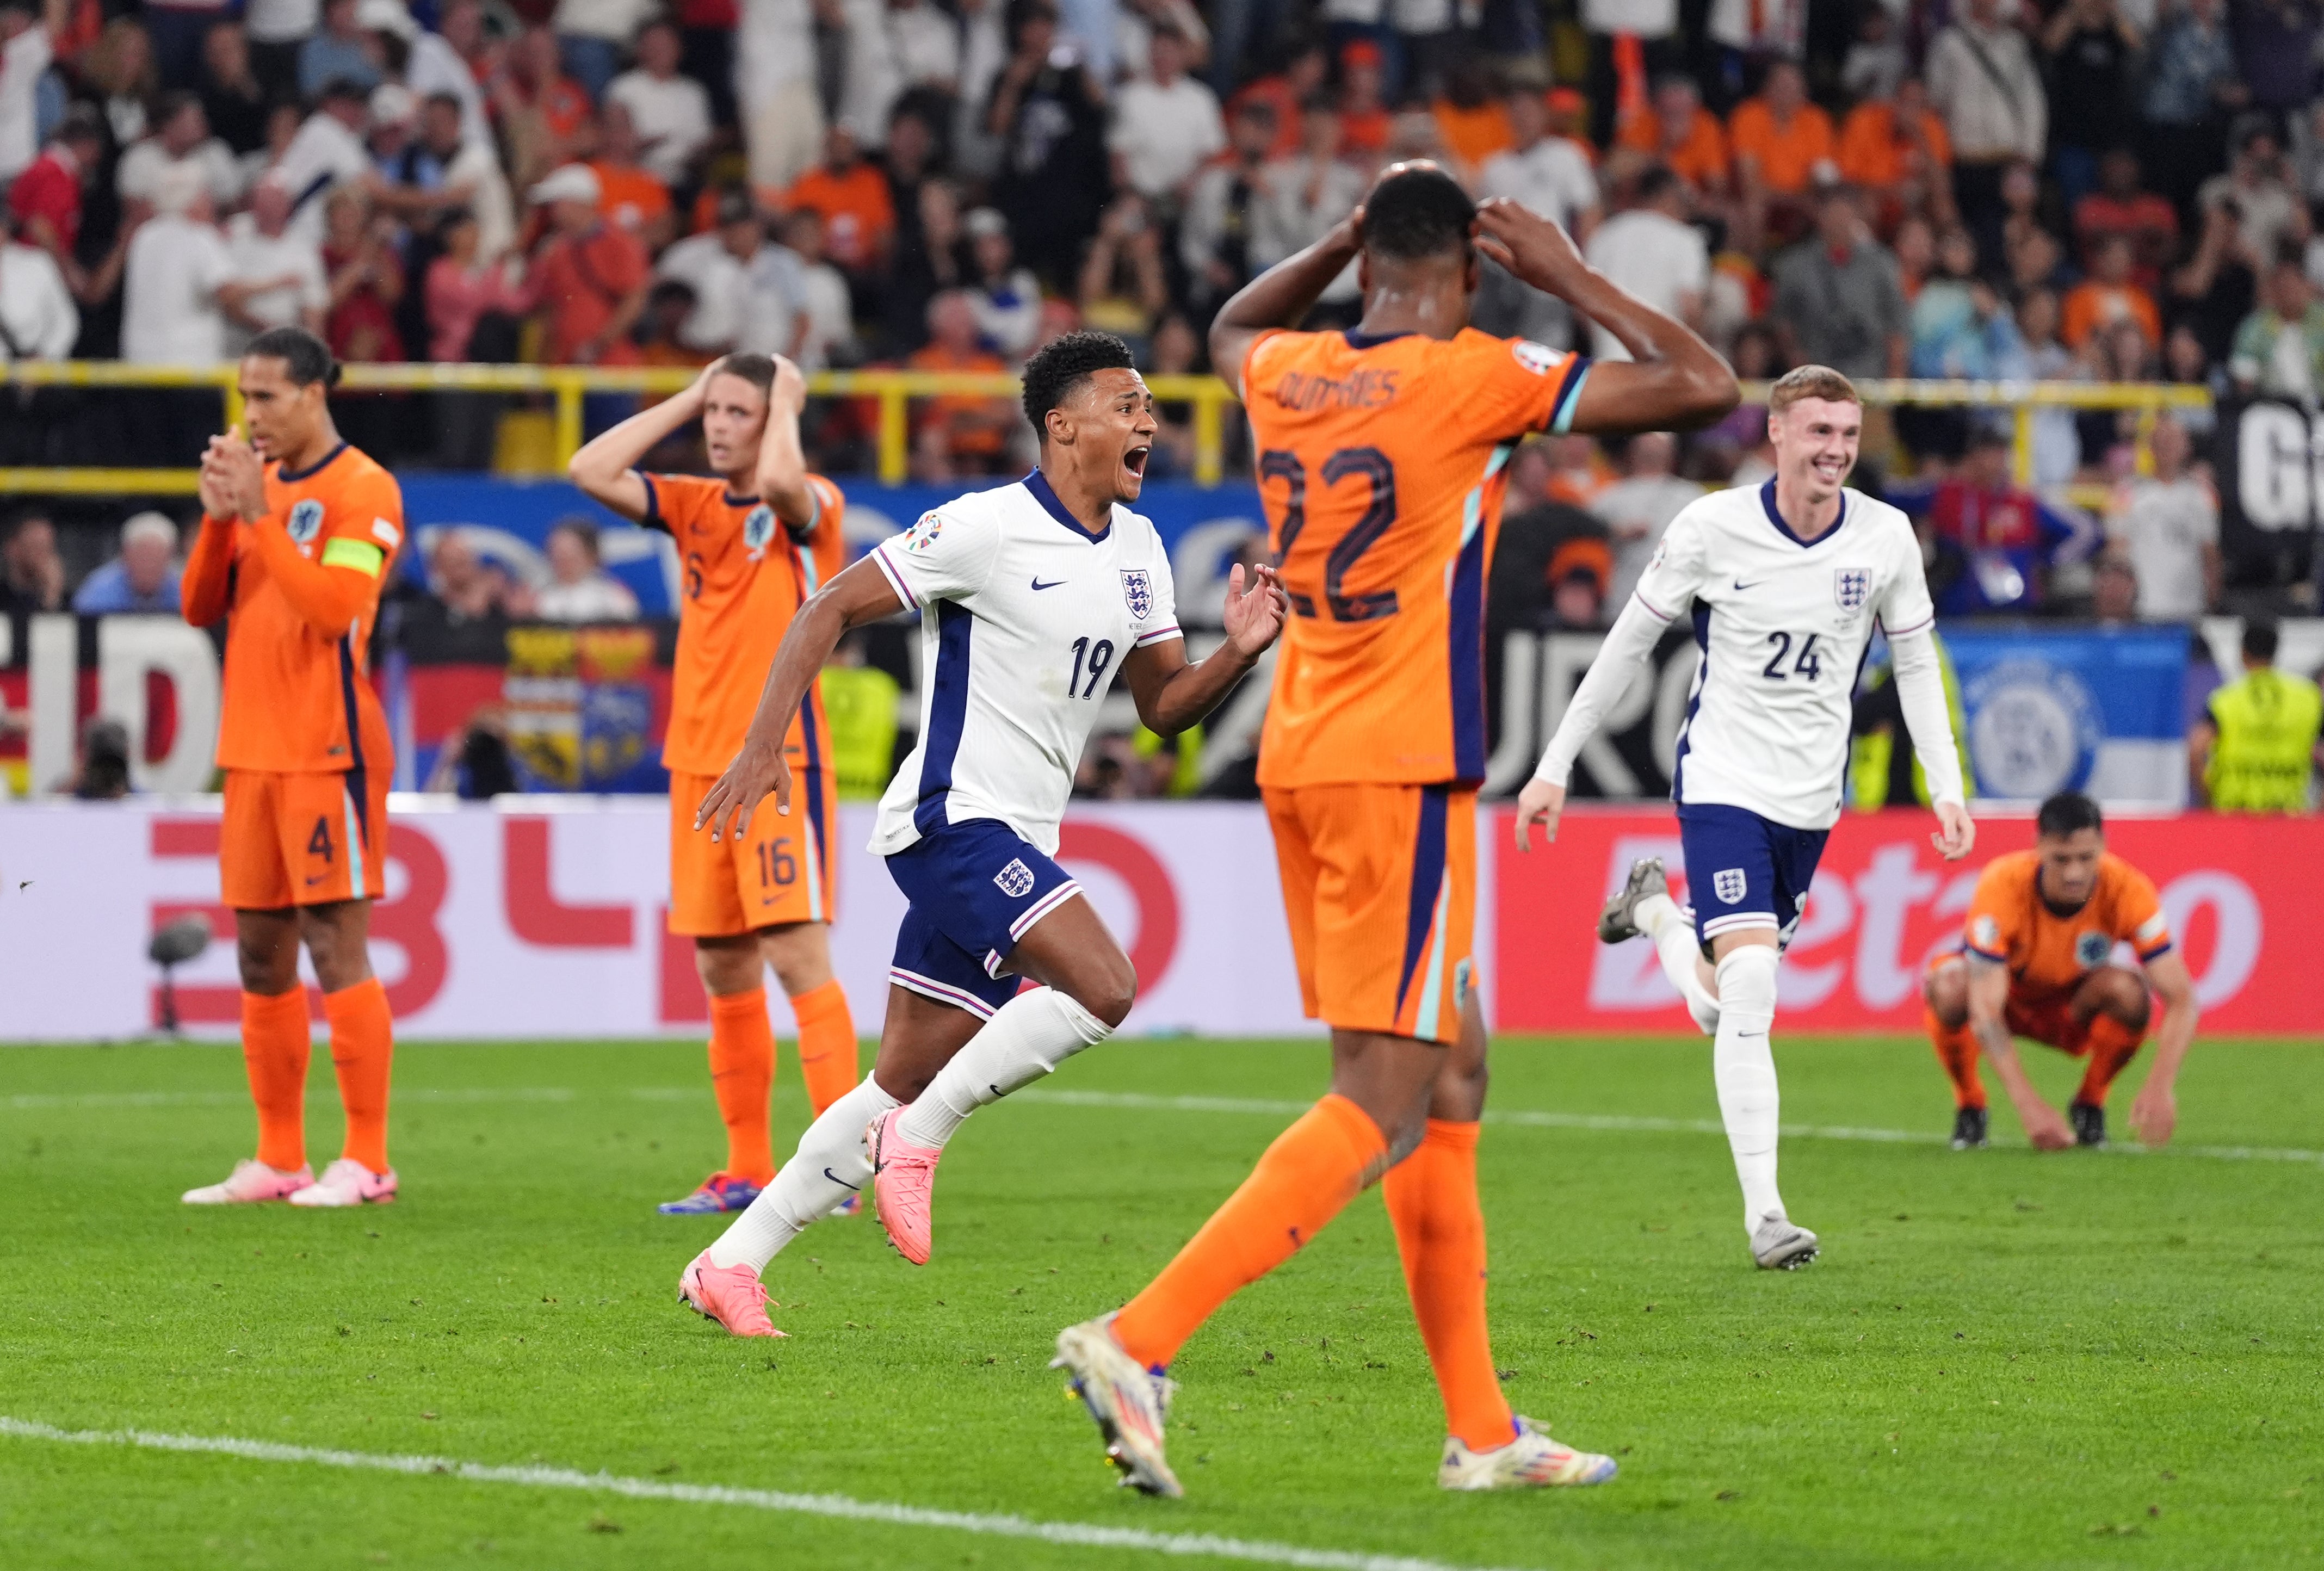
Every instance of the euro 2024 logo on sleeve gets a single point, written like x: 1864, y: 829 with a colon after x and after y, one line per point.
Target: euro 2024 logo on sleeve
x: 305, y: 521
x: 1138, y: 589
x: 924, y: 533
x: 2033, y: 729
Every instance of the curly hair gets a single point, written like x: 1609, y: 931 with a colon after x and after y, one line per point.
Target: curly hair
x: 1064, y: 364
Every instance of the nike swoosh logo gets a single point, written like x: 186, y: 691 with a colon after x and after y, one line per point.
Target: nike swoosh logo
x: 1050, y: 585
x: 316, y: 879
x: 1741, y: 584
x: 843, y: 1183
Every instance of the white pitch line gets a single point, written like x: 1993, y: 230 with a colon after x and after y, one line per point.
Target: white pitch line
x: 36, y: 1101
x: 1255, y: 1551
x: 1620, y: 1123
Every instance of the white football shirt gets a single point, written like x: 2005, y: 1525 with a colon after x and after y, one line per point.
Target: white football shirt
x: 1784, y: 626
x: 1025, y: 619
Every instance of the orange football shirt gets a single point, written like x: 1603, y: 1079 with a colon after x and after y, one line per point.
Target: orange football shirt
x: 1381, y: 467
x: 2048, y: 955
x: 742, y: 577
x: 296, y: 700
x: 1788, y: 155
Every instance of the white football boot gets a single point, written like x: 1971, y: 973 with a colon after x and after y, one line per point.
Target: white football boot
x: 1781, y: 1245
x: 1531, y: 1461
x: 1128, y: 1401
x: 251, y: 1182
x: 347, y: 1182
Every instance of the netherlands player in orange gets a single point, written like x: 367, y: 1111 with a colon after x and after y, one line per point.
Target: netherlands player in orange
x: 2036, y: 961
x: 753, y: 542
x: 1381, y: 454
x: 297, y: 533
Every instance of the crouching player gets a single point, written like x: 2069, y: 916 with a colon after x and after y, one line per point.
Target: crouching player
x: 2035, y: 963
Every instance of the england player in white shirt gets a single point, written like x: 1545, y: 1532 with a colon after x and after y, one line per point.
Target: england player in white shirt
x: 1033, y: 598
x: 1786, y: 583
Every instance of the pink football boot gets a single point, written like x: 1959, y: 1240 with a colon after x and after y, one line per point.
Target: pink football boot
x: 250, y: 1181
x: 903, y: 1183
x: 731, y: 1295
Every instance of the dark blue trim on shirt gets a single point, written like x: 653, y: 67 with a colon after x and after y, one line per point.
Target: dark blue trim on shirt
x: 1427, y: 883
x: 1466, y: 659
x: 1767, y: 500
x: 1357, y: 340
x: 292, y: 476
x: 947, y: 715
x: 653, y: 518
x: 1693, y: 701
x: 1047, y: 496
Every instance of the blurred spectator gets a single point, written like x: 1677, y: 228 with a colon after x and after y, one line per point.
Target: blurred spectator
x: 233, y: 100
x: 959, y: 433
x: 2041, y: 357
x: 467, y: 175
x: 340, y: 50
x: 1549, y: 174
x: 327, y: 150
x: 38, y: 319
x: 476, y: 765
x: 830, y: 335
x: 45, y: 199
x: 773, y: 74
x: 117, y: 70
x: 930, y: 264
x: 2276, y: 52
x: 281, y: 273
x: 591, y: 36
x: 2093, y: 51
x: 1303, y: 197
x: 101, y: 770
x: 2168, y: 525
x: 1628, y: 39
x: 467, y: 289
x: 1176, y: 352
x: 1983, y: 80
x: 1876, y: 60
x: 179, y: 278
x: 1578, y: 470
x: 455, y: 58
x: 1784, y: 146
x: 984, y: 52
x: 747, y: 294
x: 540, y: 109
x: 851, y: 194
x: 1637, y: 508
x: 2278, y: 350
x: 588, y: 277
x: 181, y: 138
x: 143, y: 577
x: 276, y: 29
x: 1995, y: 544
x: 1837, y: 297
x: 28, y: 38
x: 630, y: 195
x: 1048, y: 112
x: 2185, y: 363
x: 2109, y: 295
x: 2114, y: 590
x: 1895, y: 148
x: 1123, y: 291
x: 2254, y: 749
x: 671, y: 112
x: 365, y: 277
x: 1215, y: 232
x: 926, y: 43
x: 2192, y: 85
x: 1679, y: 133
x: 1006, y: 297
x: 2119, y: 207
x: 1539, y: 530
x: 1471, y: 118
x: 1135, y: 24
x: 1365, y: 118
x: 1960, y: 329
x: 669, y: 302
x: 1284, y: 93
x: 1166, y: 126
x: 2217, y: 287
x: 1651, y: 251
x: 459, y: 582
x: 579, y: 590
x: 2256, y: 191
x: 31, y: 571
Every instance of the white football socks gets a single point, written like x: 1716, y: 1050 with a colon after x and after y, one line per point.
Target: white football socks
x: 830, y: 1165
x: 1667, y: 927
x: 1743, y: 1062
x: 1027, y: 1036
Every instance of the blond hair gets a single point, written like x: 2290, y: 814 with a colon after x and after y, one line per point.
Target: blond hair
x: 1809, y: 382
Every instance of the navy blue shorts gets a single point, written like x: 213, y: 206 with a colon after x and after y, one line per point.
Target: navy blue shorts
x: 1743, y: 871
x: 976, y: 888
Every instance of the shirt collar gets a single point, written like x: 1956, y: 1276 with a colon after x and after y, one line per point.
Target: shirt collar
x: 1775, y: 517
x: 1045, y: 495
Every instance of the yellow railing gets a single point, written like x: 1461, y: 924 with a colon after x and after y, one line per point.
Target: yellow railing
x: 565, y: 386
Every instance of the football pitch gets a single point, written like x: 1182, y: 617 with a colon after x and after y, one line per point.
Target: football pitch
x: 2103, y: 1358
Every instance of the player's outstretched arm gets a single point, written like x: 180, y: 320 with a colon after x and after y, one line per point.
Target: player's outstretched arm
x: 861, y: 594
x: 1921, y: 694
x: 781, y: 480
x: 1674, y: 382
x: 1988, y: 1006
x: 606, y: 467
x: 1629, y: 644
x: 2155, y: 1112
x: 1283, y: 295
x: 1173, y: 695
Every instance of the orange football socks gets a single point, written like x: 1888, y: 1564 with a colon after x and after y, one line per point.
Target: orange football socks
x: 827, y: 1044
x: 743, y: 1074
x: 275, y: 1044
x: 1956, y: 1051
x: 1303, y: 1180
x: 363, y: 1053
x: 1440, y: 1232
x: 2112, y: 1046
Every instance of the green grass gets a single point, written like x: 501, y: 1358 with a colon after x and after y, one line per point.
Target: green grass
x: 2089, y: 1359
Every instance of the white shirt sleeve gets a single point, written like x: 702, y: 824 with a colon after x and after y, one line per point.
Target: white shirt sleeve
x: 1665, y: 590
x: 1906, y: 608
x: 947, y: 555
x: 1921, y: 692
x: 1162, y: 622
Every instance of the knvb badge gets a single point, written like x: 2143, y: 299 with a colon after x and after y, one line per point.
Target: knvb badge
x: 305, y: 521
x: 1138, y: 589
x: 758, y: 529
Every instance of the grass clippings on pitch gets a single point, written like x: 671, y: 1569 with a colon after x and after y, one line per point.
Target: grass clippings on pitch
x: 2088, y: 1359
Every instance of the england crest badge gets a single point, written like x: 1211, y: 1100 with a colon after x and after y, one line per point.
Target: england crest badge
x: 305, y: 521
x: 1138, y: 589
x: 1729, y: 885
x: 758, y: 529
x: 1015, y: 880
x: 1851, y: 587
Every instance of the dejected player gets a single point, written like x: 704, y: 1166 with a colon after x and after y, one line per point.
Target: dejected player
x: 1034, y: 599
x: 1380, y: 454
x: 298, y: 532
x: 1786, y: 583
x: 753, y: 542
x: 2036, y: 960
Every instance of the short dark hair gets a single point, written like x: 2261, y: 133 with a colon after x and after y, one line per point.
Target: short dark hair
x: 1418, y: 213
x: 342, y: 89
x: 446, y: 97
x: 1064, y: 364
x: 582, y: 529
x: 2260, y: 640
x: 306, y: 358
x: 1654, y: 180
x: 2067, y: 813
x: 758, y: 370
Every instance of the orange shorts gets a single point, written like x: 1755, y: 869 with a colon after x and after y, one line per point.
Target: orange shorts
x: 2048, y: 1018
x: 779, y: 872
x: 302, y: 839
x: 1380, y: 884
